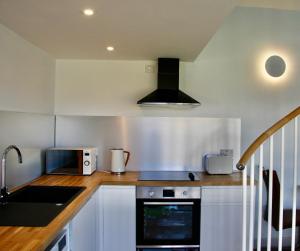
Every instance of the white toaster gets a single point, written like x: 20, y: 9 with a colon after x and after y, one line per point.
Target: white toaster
x: 218, y: 164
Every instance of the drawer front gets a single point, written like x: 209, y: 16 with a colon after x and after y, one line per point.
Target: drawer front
x: 223, y: 195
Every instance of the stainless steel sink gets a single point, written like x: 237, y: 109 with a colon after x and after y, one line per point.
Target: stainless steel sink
x: 36, y: 205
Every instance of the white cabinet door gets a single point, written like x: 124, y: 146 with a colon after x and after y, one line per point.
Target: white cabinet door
x: 117, y: 207
x: 221, y: 219
x: 83, y: 227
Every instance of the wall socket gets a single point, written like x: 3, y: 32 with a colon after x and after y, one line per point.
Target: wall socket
x: 226, y: 152
x: 149, y: 68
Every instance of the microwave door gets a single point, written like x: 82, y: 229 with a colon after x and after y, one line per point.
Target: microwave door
x: 64, y: 162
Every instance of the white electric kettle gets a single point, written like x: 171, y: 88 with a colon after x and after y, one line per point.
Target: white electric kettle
x: 118, y: 161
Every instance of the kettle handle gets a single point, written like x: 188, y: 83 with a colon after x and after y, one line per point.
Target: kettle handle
x: 127, y: 157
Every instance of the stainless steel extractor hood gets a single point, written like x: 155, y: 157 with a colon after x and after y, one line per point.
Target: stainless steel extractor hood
x: 167, y: 92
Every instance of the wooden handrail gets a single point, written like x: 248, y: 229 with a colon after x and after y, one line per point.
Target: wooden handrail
x: 264, y: 136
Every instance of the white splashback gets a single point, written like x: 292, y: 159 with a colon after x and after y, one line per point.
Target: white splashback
x: 32, y: 133
x: 155, y: 143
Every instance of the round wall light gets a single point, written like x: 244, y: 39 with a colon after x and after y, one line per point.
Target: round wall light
x: 275, y: 66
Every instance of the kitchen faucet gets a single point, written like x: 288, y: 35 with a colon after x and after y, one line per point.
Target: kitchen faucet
x: 4, y: 190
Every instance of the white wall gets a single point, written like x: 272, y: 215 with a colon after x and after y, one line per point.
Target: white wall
x: 225, y: 77
x: 26, y: 86
x: 26, y: 75
x: 108, y: 88
x: 91, y: 87
x: 32, y: 133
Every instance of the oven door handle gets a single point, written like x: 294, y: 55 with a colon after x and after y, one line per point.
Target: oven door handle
x: 167, y: 246
x: 156, y: 203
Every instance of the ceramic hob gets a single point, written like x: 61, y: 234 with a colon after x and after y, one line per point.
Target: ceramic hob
x: 168, y: 176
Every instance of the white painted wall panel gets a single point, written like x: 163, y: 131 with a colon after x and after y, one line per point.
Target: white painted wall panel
x: 32, y: 133
x: 26, y: 75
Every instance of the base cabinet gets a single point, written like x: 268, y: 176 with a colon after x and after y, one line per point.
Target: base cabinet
x: 107, y: 222
x: 117, y: 218
x: 221, y: 219
x: 84, y: 228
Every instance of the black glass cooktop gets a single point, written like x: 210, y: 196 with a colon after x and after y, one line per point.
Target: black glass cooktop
x: 168, y: 176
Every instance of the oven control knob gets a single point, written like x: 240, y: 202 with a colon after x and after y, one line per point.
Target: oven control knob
x: 86, y: 163
x: 151, y: 193
x: 184, y: 193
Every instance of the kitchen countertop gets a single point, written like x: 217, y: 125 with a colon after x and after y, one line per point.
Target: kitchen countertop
x: 38, y: 238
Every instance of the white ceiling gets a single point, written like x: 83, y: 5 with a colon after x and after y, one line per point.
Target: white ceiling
x: 138, y: 29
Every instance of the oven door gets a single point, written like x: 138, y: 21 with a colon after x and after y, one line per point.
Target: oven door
x: 168, y: 223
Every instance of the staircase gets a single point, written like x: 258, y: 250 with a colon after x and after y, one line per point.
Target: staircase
x: 258, y: 156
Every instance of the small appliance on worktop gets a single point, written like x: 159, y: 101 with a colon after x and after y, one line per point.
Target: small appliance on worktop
x: 221, y: 163
x: 71, y: 161
x: 168, y: 176
x: 118, y: 160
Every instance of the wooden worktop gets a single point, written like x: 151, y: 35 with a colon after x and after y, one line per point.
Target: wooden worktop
x: 38, y: 238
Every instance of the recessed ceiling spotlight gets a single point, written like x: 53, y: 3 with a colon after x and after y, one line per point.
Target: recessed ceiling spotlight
x: 88, y: 12
x: 110, y: 48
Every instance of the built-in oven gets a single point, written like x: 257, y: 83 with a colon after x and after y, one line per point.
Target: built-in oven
x: 168, y: 218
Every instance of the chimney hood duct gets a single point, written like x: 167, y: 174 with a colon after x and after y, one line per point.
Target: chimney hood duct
x: 167, y: 92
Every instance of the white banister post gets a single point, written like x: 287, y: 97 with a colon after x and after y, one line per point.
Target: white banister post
x: 295, y: 185
x: 252, y: 204
x: 270, y: 197
x: 244, y: 241
x: 281, y: 188
x: 260, y: 183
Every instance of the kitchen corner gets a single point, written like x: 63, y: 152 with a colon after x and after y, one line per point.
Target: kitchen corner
x: 74, y: 152
x: 38, y: 238
x: 149, y: 125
